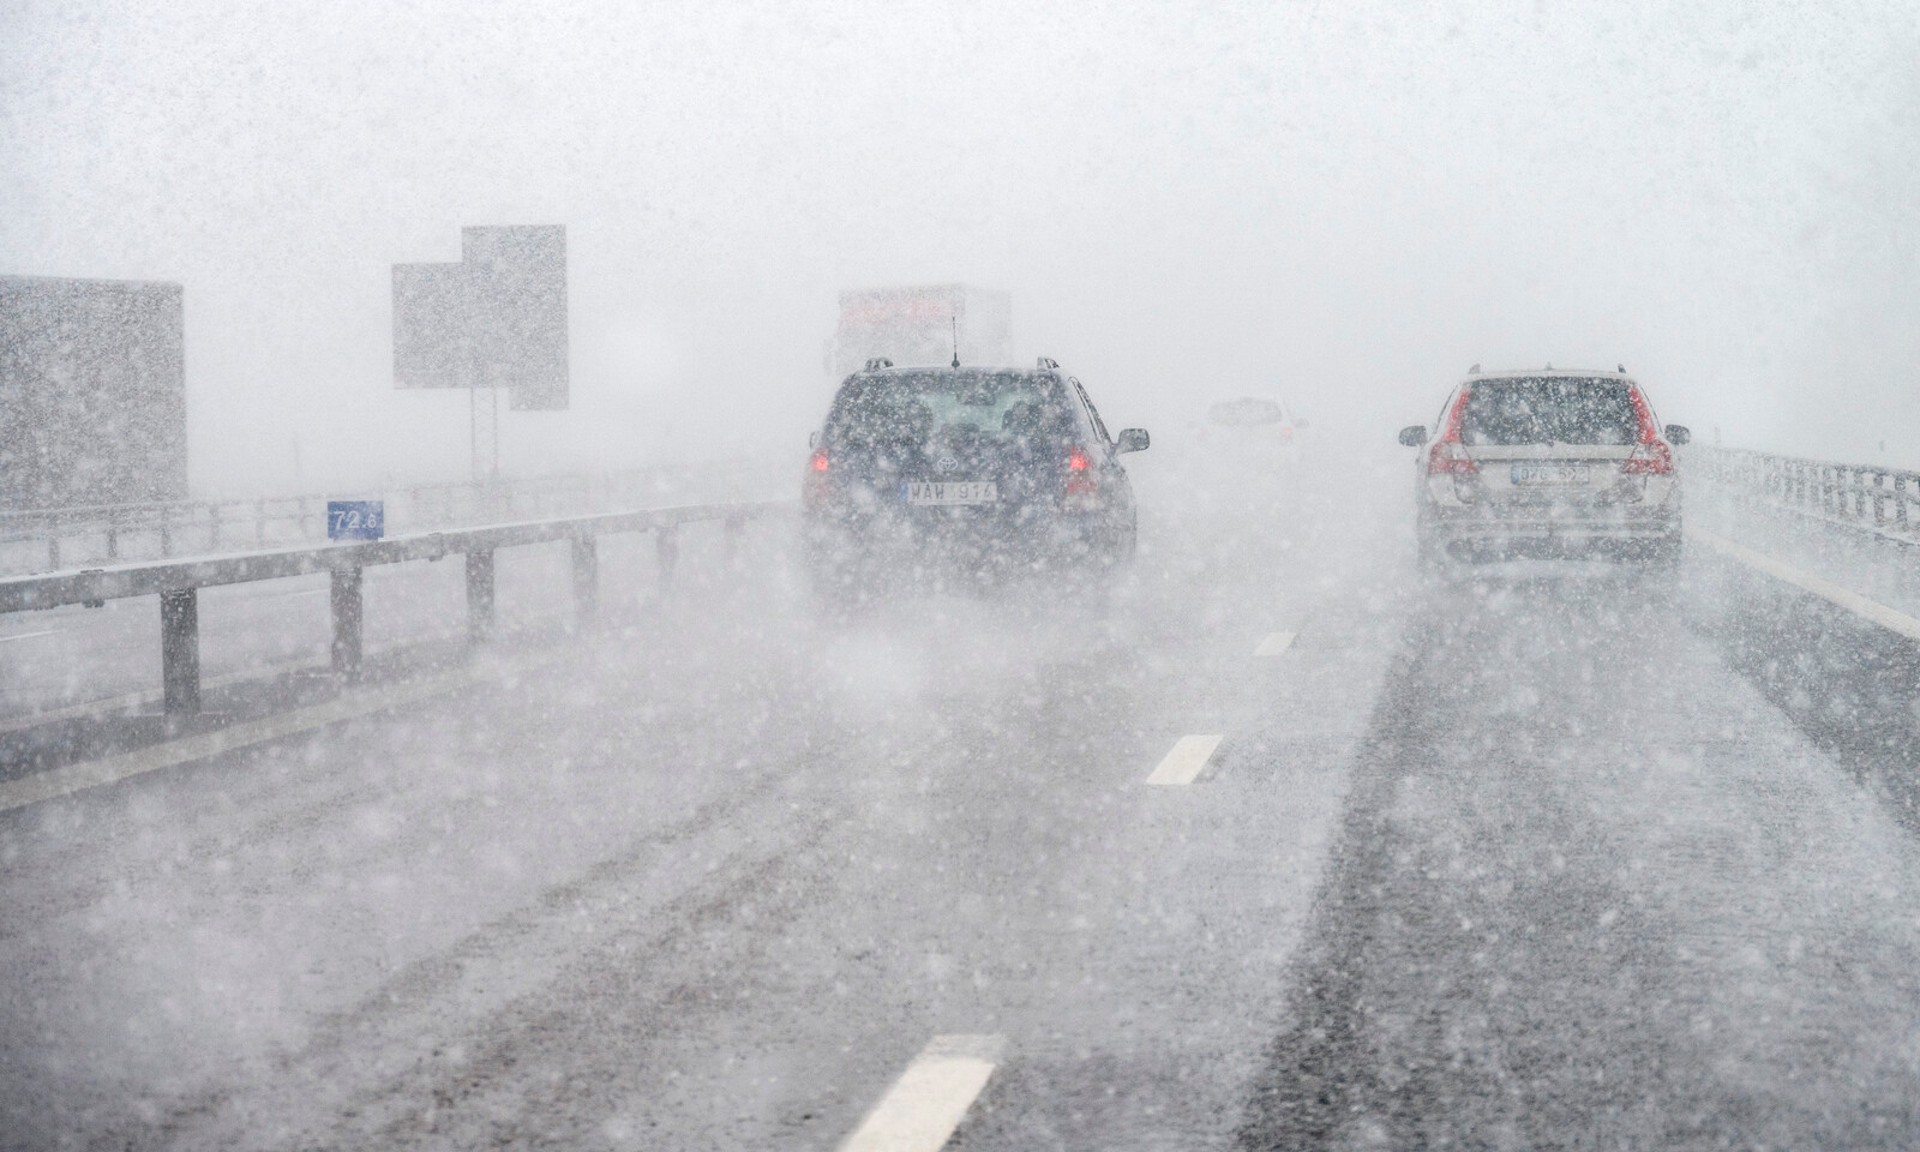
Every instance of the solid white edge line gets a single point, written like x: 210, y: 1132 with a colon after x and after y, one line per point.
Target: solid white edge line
x: 136, y: 700
x: 30, y: 635
x: 113, y: 769
x: 1275, y: 643
x: 1188, y: 757
x: 920, y: 1112
x: 1889, y: 618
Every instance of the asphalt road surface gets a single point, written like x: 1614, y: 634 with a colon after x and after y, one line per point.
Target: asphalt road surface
x: 1538, y: 858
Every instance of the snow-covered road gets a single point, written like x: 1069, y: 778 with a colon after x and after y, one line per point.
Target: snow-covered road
x: 1517, y: 861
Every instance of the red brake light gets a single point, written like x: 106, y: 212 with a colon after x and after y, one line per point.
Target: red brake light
x: 816, y: 489
x: 1450, y: 456
x: 1080, y: 481
x: 1654, y: 459
x: 1649, y: 434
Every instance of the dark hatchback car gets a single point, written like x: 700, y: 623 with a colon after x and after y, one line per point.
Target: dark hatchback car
x: 928, y: 474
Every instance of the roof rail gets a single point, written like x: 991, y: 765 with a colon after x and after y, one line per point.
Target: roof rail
x: 877, y: 363
x: 1047, y: 363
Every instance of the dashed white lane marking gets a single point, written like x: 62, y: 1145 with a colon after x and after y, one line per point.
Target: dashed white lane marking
x: 928, y: 1101
x: 1190, y: 754
x: 1274, y: 644
x: 27, y: 635
x: 1853, y: 602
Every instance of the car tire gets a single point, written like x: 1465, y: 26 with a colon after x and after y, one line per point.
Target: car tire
x: 1429, y: 554
x: 1663, y: 555
x: 833, y: 584
x: 1128, y: 541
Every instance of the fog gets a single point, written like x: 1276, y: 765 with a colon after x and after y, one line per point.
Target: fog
x: 1341, y: 204
x: 963, y: 761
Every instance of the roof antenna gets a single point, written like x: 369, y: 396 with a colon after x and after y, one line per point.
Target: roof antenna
x: 1623, y: 369
x: 1474, y: 371
x: 956, y: 340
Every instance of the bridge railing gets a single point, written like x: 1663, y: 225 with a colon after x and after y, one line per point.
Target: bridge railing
x: 178, y: 581
x: 1876, y: 499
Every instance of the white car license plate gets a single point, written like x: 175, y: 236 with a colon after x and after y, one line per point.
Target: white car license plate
x: 952, y: 492
x: 1530, y: 474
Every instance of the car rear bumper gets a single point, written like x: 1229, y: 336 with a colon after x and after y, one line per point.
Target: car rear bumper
x: 1506, y: 533
x: 959, y: 544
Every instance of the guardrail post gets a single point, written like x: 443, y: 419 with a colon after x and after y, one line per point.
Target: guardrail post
x: 113, y: 536
x: 213, y: 527
x: 666, y: 541
x: 166, y: 531
x: 479, y: 594
x: 346, y: 622
x: 180, y: 651
x: 731, y: 529
x: 260, y: 522
x: 586, y: 578
x: 53, y: 548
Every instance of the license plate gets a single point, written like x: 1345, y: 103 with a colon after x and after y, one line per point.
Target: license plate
x: 1530, y: 474
x: 952, y: 492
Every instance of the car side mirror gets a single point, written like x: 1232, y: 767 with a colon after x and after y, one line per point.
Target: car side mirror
x: 813, y: 439
x: 1413, y: 435
x: 1132, y: 440
x: 1677, y: 434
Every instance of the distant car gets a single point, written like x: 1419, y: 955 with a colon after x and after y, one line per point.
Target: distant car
x: 936, y: 472
x: 1257, y: 412
x: 1247, y: 410
x: 1548, y: 463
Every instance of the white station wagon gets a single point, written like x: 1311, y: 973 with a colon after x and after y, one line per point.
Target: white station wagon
x: 1547, y: 463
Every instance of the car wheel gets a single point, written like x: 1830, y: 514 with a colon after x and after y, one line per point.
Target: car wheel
x: 1429, y: 553
x: 833, y: 582
x: 1663, y: 555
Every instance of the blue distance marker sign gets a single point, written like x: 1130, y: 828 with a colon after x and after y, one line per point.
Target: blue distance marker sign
x: 356, y: 519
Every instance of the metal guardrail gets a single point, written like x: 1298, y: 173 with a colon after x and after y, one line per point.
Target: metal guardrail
x: 177, y: 582
x: 60, y: 536
x: 1885, y: 501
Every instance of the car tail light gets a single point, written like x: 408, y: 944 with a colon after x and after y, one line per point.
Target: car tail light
x: 1080, y: 478
x: 1448, y: 454
x: 813, y: 490
x: 1450, y: 457
x: 1654, y: 459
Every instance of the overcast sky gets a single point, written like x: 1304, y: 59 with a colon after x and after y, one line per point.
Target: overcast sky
x: 1343, y: 203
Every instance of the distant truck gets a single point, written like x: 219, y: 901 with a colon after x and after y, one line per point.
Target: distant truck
x: 920, y: 325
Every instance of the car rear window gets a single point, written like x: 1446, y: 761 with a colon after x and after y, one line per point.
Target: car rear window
x: 920, y: 409
x: 1550, y: 410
